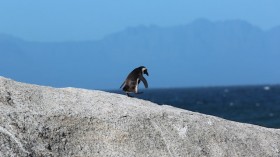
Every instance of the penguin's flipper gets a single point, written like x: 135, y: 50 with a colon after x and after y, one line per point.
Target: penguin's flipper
x: 144, y: 81
x: 122, y: 84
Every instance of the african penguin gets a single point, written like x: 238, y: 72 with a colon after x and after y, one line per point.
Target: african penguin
x: 130, y: 85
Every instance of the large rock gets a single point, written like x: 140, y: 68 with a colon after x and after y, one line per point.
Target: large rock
x: 44, y: 121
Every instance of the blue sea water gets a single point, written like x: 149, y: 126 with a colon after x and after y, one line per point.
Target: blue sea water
x: 259, y: 105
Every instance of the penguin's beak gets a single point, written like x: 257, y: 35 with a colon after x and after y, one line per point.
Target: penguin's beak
x: 146, y: 72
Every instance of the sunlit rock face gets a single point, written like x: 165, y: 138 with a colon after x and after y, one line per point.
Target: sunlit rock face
x: 45, y: 121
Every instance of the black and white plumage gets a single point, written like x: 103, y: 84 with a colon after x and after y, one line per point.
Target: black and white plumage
x: 130, y: 85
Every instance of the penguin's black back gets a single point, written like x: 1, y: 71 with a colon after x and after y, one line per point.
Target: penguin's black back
x: 134, y: 75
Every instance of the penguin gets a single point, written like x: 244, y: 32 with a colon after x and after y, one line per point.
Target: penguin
x: 130, y: 85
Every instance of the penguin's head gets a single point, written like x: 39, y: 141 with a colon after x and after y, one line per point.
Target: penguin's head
x: 144, y: 70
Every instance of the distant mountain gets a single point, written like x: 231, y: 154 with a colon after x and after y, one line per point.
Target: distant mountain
x: 202, y: 53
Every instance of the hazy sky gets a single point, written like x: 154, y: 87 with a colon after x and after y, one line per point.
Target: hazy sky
x: 60, y: 20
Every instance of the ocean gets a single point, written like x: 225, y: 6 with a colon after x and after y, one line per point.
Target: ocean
x: 259, y: 105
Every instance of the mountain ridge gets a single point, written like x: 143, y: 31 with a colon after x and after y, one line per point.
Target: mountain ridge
x: 193, y: 55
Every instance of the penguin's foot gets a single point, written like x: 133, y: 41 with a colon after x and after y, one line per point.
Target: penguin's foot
x: 129, y: 95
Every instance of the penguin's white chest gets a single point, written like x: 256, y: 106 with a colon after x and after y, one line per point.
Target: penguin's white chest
x: 136, y: 87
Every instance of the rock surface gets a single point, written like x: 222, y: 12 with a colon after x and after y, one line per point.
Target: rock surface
x: 44, y: 121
